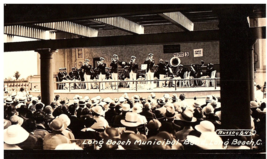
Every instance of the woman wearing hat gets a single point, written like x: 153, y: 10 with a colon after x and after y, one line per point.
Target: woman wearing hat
x: 98, y: 114
x: 13, y: 136
x: 55, y: 138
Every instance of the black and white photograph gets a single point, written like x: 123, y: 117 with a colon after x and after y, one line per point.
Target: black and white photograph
x: 165, y: 80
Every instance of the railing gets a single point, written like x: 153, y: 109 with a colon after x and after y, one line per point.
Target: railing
x: 138, y: 84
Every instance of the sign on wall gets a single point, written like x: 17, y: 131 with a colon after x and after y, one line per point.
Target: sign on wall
x: 180, y: 54
x: 198, y: 52
x: 186, y: 54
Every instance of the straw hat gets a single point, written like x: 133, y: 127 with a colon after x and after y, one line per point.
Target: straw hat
x: 15, y: 134
x: 65, y: 119
x: 131, y: 120
x: 254, y: 104
x: 205, y: 126
x: 16, y: 119
x: 136, y: 108
x: 186, y: 116
x: 125, y: 107
x: 56, y: 125
x: 98, y: 110
x: 208, y: 140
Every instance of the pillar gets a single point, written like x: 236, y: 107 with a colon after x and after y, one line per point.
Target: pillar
x: 236, y: 67
x: 47, y: 83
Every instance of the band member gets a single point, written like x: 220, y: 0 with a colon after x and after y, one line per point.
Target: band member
x: 180, y: 72
x: 125, y: 76
x: 86, y: 69
x: 101, y: 66
x: 133, y: 67
x: 209, y: 71
x: 60, y: 75
x: 74, y: 75
x: 114, y: 70
x: 150, y: 70
x: 162, y: 72
x: 193, y: 73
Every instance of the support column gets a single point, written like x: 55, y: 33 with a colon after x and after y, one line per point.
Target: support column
x: 47, y: 85
x: 236, y: 67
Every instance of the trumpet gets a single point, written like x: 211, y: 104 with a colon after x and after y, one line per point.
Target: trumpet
x: 193, y: 68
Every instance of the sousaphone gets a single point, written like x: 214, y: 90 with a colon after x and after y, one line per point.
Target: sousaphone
x: 175, y: 61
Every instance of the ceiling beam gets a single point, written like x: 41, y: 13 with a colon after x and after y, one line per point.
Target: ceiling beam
x: 29, y: 32
x: 179, y: 19
x: 145, y: 39
x: 122, y: 23
x: 40, y: 13
x: 70, y: 27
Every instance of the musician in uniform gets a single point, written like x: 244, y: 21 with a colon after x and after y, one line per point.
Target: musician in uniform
x: 114, y: 70
x: 60, y: 75
x: 150, y: 70
x: 162, y: 70
x: 74, y: 75
x: 87, y: 71
x: 101, y: 67
x: 210, y: 68
x: 133, y: 68
x: 193, y: 73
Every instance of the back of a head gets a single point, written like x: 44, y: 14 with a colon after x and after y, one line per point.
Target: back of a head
x: 72, y: 109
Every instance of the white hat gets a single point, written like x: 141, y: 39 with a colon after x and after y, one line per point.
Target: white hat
x: 108, y: 100
x: 102, y: 104
x: 205, y: 126
x: 131, y: 120
x: 98, y: 110
x: 136, y: 108
x: 86, y: 98
x: 121, y: 99
x: 71, y: 146
x: 254, y: 104
x: 16, y: 119
x: 167, y: 96
x: 208, y: 140
x: 153, y: 95
x: 15, y: 134
x: 9, y: 100
x: 186, y: 116
x: 76, y: 101
x: 209, y: 98
x: 65, y: 119
x: 125, y: 107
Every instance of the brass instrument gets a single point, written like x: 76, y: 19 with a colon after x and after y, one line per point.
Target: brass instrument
x: 175, y: 61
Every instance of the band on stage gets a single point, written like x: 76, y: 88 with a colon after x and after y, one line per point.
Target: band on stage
x: 120, y: 72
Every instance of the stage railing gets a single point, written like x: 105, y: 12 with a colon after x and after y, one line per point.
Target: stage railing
x: 138, y: 84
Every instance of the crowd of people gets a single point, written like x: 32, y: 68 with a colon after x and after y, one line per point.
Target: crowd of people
x: 131, y: 72
x: 136, y: 123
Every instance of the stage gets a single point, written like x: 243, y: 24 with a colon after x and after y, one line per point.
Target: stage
x: 190, y: 92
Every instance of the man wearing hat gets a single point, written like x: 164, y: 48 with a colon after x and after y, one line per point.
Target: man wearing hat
x: 98, y: 114
x: 55, y: 138
x: 133, y: 68
x: 87, y: 71
x: 150, y: 70
x: 124, y: 108
x: 114, y: 70
x: 101, y: 67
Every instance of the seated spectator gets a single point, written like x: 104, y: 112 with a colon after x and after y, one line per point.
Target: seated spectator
x: 147, y: 112
x: 110, y: 113
x: 153, y: 127
x: 117, y: 119
x: 41, y: 129
x: 13, y: 136
x: 101, y: 122
x: 66, y: 122
x: 71, y: 146
x: 56, y: 137
x: 48, y: 110
x: 169, y: 140
x: 113, y: 135
x: 76, y: 124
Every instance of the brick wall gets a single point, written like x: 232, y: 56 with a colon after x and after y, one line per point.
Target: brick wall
x: 67, y: 57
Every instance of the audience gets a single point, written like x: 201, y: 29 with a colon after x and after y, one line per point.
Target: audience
x: 28, y: 124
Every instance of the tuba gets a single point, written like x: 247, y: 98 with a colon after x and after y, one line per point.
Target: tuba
x: 175, y: 61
